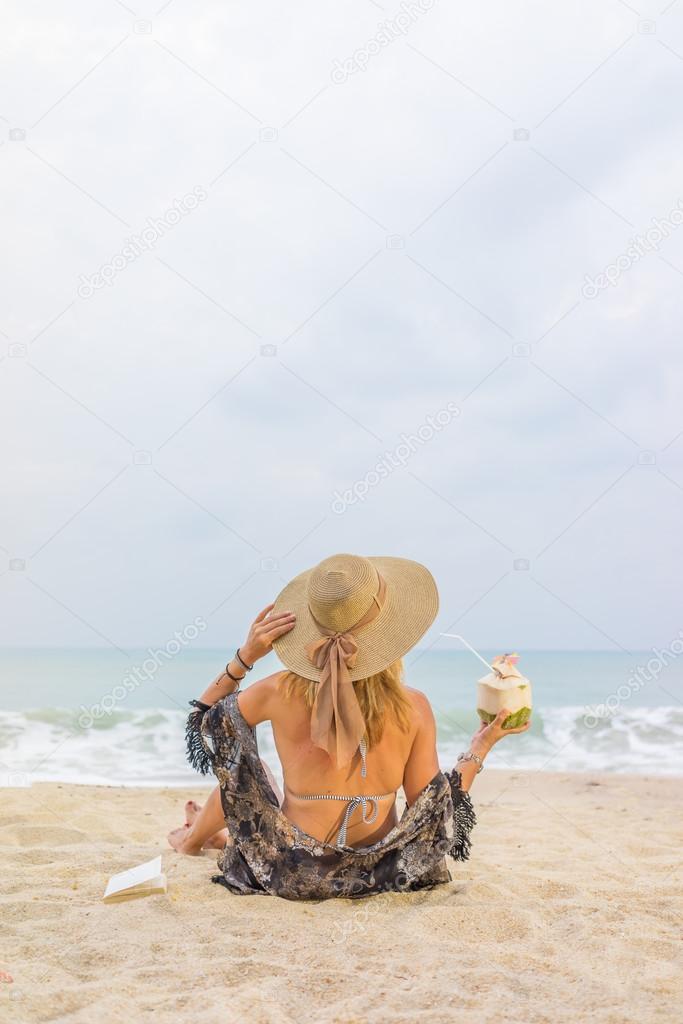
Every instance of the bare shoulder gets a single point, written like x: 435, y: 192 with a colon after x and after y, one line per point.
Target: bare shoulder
x: 423, y: 716
x: 420, y: 702
x: 257, y: 700
x: 266, y: 688
x: 272, y: 682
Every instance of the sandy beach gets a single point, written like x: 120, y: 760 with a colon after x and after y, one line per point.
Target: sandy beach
x: 569, y: 910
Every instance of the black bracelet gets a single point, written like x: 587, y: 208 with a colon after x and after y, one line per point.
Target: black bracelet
x: 247, y: 668
x: 200, y: 705
x: 235, y: 679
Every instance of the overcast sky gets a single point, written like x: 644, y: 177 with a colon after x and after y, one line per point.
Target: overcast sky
x: 392, y: 213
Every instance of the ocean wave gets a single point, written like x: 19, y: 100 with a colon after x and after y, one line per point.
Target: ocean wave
x: 566, y: 739
x: 145, y: 747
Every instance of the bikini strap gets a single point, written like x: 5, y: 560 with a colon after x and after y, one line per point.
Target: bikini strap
x: 362, y: 746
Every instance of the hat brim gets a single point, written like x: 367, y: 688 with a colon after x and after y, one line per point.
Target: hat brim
x: 410, y: 606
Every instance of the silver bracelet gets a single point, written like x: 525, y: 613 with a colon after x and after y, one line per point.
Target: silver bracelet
x: 469, y: 756
x: 242, y: 662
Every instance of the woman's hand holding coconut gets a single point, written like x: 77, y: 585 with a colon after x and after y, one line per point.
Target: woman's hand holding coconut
x: 487, y: 735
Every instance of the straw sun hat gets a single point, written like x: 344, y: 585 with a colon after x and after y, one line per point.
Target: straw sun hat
x: 338, y: 593
x: 354, y: 617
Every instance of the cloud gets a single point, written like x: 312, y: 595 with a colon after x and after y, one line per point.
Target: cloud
x: 368, y: 251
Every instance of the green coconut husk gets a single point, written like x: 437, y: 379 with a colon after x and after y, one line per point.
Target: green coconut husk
x: 512, y: 721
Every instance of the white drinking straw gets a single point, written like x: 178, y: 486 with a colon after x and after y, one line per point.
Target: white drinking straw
x: 456, y: 636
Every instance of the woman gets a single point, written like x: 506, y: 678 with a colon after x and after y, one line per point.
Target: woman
x: 348, y: 733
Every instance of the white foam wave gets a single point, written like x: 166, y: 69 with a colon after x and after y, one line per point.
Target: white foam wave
x: 146, y: 747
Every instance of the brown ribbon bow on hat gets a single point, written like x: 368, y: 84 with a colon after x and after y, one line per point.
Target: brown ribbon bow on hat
x: 337, y: 723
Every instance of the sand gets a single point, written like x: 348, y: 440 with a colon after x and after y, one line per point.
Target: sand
x: 568, y: 910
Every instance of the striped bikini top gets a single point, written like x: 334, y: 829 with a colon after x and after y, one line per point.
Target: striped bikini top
x: 368, y: 804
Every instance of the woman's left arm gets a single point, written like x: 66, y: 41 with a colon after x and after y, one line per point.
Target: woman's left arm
x: 264, y: 629
x: 255, y: 708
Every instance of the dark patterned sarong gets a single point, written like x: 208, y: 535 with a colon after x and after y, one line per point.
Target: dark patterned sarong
x: 271, y: 856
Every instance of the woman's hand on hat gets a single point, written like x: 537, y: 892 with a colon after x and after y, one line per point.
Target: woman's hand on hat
x: 265, y: 628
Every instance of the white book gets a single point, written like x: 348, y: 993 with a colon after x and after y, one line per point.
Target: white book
x: 142, y: 880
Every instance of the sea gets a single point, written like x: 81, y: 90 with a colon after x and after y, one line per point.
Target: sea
x: 100, y: 716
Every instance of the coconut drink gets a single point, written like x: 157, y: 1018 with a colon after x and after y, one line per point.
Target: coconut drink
x: 504, y: 687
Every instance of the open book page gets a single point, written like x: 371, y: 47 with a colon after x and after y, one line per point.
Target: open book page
x: 141, y: 880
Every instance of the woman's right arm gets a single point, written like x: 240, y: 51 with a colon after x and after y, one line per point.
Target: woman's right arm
x: 422, y: 764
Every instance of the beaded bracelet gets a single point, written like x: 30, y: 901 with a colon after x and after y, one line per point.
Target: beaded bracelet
x: 235, y: 679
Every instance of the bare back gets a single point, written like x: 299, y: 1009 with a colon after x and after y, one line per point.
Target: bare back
x: 401, y: 758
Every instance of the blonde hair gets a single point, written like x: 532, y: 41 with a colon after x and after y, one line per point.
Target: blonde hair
x: 378, y: 695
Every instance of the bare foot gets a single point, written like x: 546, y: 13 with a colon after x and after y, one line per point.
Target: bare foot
x: 181, y: 840
x: 192, y: 809
x: 217, y: 841
x: 178, y: 839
